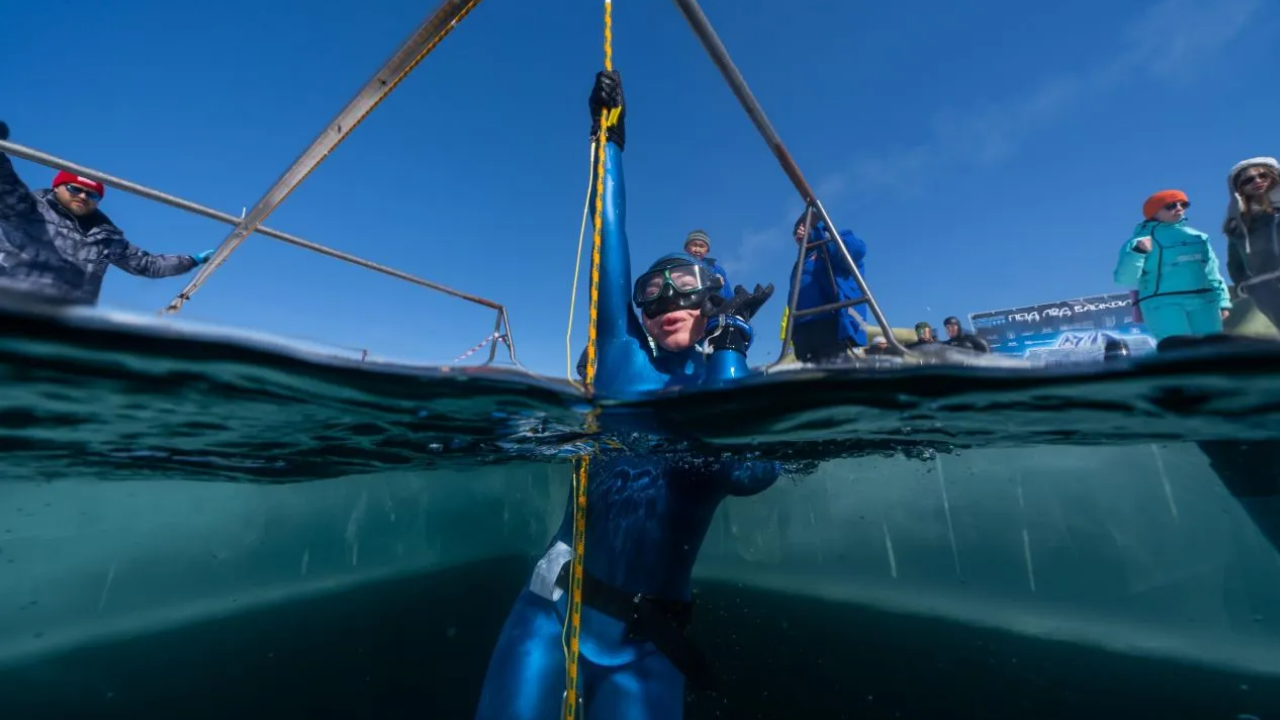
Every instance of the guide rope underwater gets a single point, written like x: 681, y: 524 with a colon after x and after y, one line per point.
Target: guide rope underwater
x: 573, y: 705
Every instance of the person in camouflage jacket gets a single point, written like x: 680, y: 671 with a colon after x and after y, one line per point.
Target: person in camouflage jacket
x: 56, y: 243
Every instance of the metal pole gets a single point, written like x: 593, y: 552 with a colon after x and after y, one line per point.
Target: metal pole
x: 872, y: 305
x: 57, y: 163
x: 511, y: 340
x: 720, y: 56
x: 422, y: 42
x: 497, y: 338
x: 795, y: 284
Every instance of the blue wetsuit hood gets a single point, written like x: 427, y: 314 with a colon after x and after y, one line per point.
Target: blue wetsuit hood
x: 676, y: 363
x: 673, y: 260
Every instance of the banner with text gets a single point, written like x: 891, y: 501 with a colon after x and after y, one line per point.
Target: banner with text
x: 1066, y: 331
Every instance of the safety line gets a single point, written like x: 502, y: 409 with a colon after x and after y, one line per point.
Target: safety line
x: 573, y: 624
x: 495, y: 336
x: 577, y: 266
x: 574, y: 616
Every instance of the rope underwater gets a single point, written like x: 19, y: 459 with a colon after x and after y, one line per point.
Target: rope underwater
x: 573, y: 619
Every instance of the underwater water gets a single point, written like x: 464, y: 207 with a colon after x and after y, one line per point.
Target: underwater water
x: 195, y: 524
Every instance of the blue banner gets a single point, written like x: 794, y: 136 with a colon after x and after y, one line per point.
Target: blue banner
x: 1067, y: 331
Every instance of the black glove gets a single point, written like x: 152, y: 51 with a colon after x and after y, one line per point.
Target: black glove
x: 729, y: 324
x: 743, y: 304
x: 4, y: 131
x: 607, y: 93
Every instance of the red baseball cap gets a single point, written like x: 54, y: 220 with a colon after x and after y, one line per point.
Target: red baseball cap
x: 64, y: 177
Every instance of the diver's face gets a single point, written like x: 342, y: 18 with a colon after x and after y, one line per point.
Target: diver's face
x: 677, y: 330
x: 697, y: 248
x: 952, y: 330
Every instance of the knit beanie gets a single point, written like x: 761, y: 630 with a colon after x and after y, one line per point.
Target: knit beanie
x: 698, y: 235
x: 64, y: 178
x: 1159, y: 200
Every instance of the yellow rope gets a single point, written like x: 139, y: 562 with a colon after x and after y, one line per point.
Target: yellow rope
x: 573, y: 619
x: 601, y: 150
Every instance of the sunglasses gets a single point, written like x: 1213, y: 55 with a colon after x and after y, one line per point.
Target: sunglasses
x: 1247, y: 180
x: 1183, y: 204
x: 77, y: 191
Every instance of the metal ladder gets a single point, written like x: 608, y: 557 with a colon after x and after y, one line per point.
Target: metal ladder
x: 831, y: 237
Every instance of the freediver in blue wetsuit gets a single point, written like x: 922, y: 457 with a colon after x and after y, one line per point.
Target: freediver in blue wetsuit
x: 648, y: 515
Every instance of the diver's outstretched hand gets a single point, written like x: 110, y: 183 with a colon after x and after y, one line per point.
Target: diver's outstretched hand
x: 742, y: 305
x: 607, y: 94
x: 729, y: 319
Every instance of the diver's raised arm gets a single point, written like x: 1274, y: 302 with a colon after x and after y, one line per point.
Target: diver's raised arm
x: 622, y: 347
x: 616, y: 316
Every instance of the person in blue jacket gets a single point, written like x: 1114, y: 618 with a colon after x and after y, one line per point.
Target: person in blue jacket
x: 647, y: 514
x: 1180, y: 288
x: 826, y: 279
x: 698, y: 244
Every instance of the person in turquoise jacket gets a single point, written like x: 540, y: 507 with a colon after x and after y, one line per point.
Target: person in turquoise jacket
x: 1180, y: 289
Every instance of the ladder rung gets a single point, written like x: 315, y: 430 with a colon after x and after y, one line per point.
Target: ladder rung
x: 820, y: 243
x: 832, y: 306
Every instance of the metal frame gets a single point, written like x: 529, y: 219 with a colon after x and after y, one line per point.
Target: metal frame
x: 439, y: 24
x: 401, y: 63
x: 429, y: 34
x: 501, y: 325
x: 720, y: 56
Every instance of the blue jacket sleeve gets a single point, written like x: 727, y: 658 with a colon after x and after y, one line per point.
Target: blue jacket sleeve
x: 726, y: 290
x: 136, y: 261
x: 1129, y: 266
x: 856, y: 247
x: 846, y: 287
x: 16, y: 199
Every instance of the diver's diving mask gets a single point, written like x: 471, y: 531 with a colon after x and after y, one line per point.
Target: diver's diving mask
x: 681, y: 286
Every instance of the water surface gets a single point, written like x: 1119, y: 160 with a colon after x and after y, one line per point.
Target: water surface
x: 1075, y: 541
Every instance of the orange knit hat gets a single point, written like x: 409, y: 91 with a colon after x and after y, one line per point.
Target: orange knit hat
x: 1160, y: 199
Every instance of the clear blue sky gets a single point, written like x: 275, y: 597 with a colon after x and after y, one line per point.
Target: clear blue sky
x: 991, y: 154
